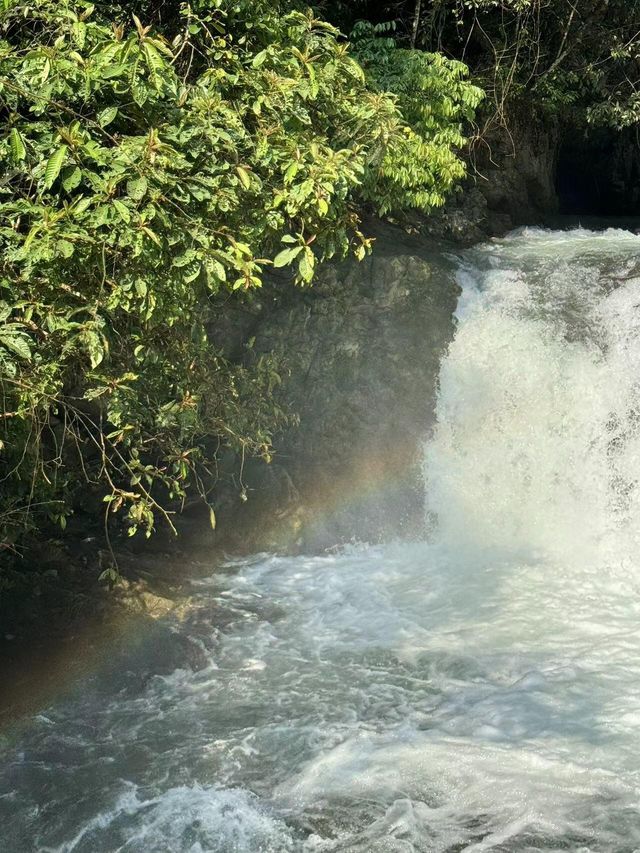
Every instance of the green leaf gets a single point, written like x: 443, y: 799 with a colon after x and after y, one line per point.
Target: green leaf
x: 16, y: 143
x: 286, y: 256
x: 155, y: 63
x: 107, y: 116
x: 79, y: 32
x: 123, y: 211
x: 212, y: 518
x: 185, y: 258
x: 306, y: 264
x: 216, y: 269
x: 54, y: 164
x: 192, y: 272
x: 71, y: 178
x: 259, y: 59
x: 94, y: 393
x: 95, y: 347
x: 65, y: 248
x: 245, y: 180
x: 151, y: 235
x: 137, y: 188
x: 139, y: 91
x: 291, y: 172
x: 82, y: 204
x: 17, y: 342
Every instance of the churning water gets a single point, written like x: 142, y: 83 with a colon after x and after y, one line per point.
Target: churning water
x: 480, y: 691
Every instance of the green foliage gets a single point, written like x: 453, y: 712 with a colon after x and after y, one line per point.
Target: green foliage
x: 149, y: 174
x: 573, y: 61
x: 576, y: 61
x: 435, y: 100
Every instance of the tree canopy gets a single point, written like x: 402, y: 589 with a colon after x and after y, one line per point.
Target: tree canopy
x: 575, y: 60
x: 153, y: 167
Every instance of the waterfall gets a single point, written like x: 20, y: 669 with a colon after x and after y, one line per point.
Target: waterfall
x: 537, y: 448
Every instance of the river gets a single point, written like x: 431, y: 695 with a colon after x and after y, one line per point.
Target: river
x: 475, y: 691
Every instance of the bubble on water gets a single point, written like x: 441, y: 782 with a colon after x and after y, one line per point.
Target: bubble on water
x: 192, y: 819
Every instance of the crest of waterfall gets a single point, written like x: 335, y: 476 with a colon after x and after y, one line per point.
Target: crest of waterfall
x: 537, y: 448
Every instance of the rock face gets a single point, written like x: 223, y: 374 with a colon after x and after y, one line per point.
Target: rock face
x: 364, y: 344
x: 512, y: 181
x: 518, y: 172
x: 537, y: 169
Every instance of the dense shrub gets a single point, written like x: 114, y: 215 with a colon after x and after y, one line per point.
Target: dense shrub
x: 151, y: 170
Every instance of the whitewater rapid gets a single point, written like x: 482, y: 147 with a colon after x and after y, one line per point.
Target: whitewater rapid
x: 476, y: 691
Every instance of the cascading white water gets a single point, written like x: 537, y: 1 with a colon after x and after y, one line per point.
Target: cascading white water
x: 537, y: 448
x: 477, y: 692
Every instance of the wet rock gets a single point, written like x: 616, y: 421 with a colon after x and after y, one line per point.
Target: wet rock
x: 364, y: 345
x: 137, y: 599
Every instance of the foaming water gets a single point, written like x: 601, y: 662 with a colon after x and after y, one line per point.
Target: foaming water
x: 538, y: 447
x: 480, y: 691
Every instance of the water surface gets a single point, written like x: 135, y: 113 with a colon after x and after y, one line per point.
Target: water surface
x: 476, y: 691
